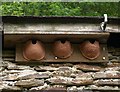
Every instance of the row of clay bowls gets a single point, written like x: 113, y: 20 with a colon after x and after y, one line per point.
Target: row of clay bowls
x: 36, y: 51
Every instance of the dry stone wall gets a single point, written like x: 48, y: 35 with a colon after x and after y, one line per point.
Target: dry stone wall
x: 63, y: 77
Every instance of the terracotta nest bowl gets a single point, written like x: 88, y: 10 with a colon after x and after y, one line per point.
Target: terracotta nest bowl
x: 90, y: 50
x: 62, y: 49
x: 33, y: 50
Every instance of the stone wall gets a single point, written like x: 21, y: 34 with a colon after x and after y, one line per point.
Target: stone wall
x: 58, y: 76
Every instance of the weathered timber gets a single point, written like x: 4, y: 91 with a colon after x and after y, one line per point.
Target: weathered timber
x: 49, y: 29
x: 75, y: 57
x: 49, y: 76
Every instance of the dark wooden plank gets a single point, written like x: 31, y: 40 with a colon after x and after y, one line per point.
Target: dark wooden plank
x: 75, y: 57
x: 8, y: 53
x: 59, y: 19
x: 10, y: 40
